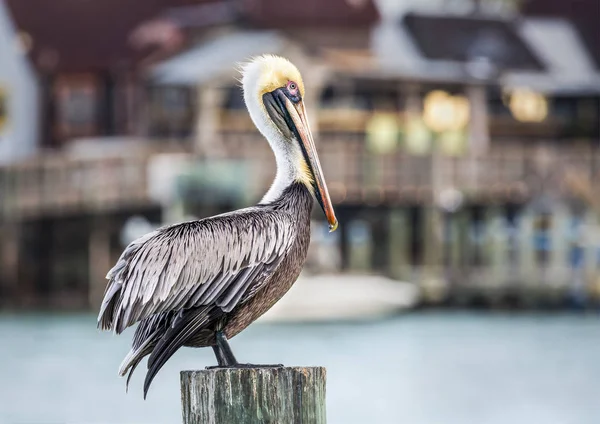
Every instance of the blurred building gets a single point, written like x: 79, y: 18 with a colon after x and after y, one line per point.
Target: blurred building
x: 436, y: 121
x: 18, y: 94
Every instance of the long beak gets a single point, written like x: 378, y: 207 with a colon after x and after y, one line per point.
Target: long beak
x: 298, y: 114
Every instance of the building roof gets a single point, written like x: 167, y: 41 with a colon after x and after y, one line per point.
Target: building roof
x: 83, y: 34
x: 463, y: 39
x: 203, y: 15
x: 215, y: 57
x: 278, y: 14
x: 547, y: 55
x: 584, y: 14
x: 569, y: 66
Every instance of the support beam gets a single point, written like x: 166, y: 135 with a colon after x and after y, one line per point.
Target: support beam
x: 210, y: 99
x: 479, y: 130
x: 99, y: 260
x: 9, y: 260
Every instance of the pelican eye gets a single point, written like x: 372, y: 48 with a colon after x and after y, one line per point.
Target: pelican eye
x: 292, y: 92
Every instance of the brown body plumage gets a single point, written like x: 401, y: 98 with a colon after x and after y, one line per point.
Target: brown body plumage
x: 199, y: 283
x: 286, y: 273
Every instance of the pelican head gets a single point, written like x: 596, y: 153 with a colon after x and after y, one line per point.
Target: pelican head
x: 274, y: 92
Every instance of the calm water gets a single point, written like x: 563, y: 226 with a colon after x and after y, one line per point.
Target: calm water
x: 424, y: 368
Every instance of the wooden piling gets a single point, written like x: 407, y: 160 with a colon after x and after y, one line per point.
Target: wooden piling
x: 285, y: 395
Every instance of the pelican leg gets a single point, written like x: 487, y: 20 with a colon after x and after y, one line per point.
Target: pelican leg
x: 223, y: 352
x: 220, y: 358
x: 225, y: 349
x: 226, y: 359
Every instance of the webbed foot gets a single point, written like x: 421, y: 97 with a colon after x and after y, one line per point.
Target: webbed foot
x: 232, y: 366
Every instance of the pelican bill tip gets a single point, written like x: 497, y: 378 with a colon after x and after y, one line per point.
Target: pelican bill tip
x: 333, y: 227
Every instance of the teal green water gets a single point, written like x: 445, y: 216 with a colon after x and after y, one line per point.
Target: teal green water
x: 422, y: 368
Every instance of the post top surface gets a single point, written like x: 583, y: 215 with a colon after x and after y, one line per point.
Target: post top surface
x: 261, y: 369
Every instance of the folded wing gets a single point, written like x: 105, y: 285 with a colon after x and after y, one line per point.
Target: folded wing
x: 220, y: 261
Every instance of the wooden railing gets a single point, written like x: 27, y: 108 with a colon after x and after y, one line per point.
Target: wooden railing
x: 355, y: 175
x: 61, y: 184
x: 356, y: 120
x: 57, y: 184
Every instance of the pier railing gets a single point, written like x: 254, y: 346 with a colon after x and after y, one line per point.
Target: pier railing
x: 355, y: 175
x: 58, y: 184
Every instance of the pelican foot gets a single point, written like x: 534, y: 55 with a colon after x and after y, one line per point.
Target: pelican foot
x: 216, y: 367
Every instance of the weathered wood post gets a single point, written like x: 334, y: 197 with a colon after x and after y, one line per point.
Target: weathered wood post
x: 285, y: 395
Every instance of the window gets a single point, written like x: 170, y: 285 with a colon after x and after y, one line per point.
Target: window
x: 568, y: 117
x: 359, y: 94
x: 171, y: 112
x: 234, y: 98
x: 78, y: 108
x: 580, y: 116
x: 76, y: 105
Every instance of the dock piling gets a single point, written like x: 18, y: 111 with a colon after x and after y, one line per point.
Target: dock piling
x: 277, y: 395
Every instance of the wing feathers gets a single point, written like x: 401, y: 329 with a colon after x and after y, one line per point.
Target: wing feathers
x: 236, y: 291
x: 211, y: 261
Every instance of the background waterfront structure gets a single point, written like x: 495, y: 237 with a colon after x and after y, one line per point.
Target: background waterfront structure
x: 447, y: 161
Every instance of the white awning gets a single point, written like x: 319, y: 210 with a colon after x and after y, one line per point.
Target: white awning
x: 569, y: 66
x: 211, y: 59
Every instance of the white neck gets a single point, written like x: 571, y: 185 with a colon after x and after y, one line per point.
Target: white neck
x: 286, y: 175
x: 287, y: 152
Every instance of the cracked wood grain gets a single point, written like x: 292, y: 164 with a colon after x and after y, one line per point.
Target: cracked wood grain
x: 288, y: 395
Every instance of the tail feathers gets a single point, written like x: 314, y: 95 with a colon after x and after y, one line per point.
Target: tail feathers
x: 135, y: 356
x: 131, y: 370
x: 182, y: 330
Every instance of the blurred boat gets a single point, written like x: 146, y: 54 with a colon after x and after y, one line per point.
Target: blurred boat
x: 342, y: 297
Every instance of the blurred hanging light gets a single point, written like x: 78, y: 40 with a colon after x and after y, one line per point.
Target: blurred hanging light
x: 453, y: 143
x: 382, y: 133
x: 418, y: 137
x: 450, y: 199
x: 437, y: 110
x: 444, y: 112
x: 528, y: 106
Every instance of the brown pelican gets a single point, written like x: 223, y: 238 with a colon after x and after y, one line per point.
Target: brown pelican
x: 200, y: 283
